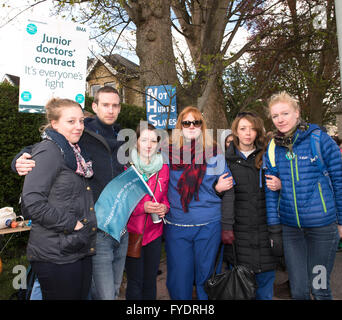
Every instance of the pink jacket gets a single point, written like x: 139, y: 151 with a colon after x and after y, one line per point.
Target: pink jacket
x: 137, y: 219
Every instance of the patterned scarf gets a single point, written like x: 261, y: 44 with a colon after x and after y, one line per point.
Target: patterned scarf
x: 287, y: 140
x: 84, y: 168
x: 73, y: 157
x: 190, y: 181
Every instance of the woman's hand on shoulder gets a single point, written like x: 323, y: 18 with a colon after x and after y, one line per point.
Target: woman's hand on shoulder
x: 24, y: 164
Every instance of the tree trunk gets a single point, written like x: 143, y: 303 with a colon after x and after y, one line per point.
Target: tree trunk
x: 154, y: 42
x: 211, y: 103
x: 203, y: 27
x: 315, y: 104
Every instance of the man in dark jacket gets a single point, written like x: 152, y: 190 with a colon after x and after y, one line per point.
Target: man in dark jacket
x: 99, y: 141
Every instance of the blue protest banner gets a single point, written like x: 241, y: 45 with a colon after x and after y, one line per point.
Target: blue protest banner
x: 161, y: 106
x: 118, y: 200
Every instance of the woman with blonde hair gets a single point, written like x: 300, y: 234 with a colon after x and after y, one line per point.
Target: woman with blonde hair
x: 308, y: 208
x: 57, y: 198
x: 192, y: 232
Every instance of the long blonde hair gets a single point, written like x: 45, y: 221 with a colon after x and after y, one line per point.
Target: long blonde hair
x: 177, y: 138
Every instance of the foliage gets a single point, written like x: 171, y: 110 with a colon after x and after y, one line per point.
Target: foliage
x: 239, y: 90
x: 17, y: 130
x: 299, y: 54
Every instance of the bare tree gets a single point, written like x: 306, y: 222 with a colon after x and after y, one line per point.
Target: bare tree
x: 303, y: 48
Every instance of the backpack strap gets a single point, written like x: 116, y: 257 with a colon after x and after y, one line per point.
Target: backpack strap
x: 271, y: 153
x: 317, y: 153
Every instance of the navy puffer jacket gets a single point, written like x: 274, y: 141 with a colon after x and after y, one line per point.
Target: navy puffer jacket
x: 306, y: 199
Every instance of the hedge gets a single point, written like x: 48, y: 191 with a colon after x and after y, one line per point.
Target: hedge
x: 21, y: 129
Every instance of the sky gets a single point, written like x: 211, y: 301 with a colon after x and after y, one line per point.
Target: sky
x: 11, y: 34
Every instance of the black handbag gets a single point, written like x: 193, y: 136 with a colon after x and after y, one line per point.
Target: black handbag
x: 237, y: 283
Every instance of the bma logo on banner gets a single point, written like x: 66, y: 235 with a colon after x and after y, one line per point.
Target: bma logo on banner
x: 161, y: 106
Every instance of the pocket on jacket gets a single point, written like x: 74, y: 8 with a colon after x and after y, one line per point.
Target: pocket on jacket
x: 75, y: 241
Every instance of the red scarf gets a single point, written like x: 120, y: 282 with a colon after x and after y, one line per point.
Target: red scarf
x: 190, y: 181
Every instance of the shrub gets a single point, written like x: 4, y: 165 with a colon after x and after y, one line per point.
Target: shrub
x: 17, y: 130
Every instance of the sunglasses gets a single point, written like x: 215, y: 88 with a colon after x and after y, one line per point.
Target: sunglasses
x: 196, y: 123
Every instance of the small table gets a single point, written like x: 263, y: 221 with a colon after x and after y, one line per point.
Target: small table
x: 17, y: 229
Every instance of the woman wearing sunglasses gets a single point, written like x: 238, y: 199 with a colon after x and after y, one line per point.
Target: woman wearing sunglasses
x: 246, y: 225
x: 193, y: 227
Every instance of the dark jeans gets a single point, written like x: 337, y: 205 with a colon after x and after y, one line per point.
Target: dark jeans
x: 69, y: 281
x: 142, y: 272
x: 310, y: 256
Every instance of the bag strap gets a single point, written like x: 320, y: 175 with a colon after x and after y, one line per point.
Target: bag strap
x: 145, y: 224
x: 271, y: 153
x: 217, y: 260
x: 317, y: 153
x: 234, y: 253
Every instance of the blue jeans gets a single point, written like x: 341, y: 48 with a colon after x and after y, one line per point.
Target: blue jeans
x: 265, y: 282
x: 309, y: 257
x: 108, y: 266
x: 191, y: 253
x: 36, y: 293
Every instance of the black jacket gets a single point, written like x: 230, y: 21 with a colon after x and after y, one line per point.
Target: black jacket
x: 54, y: 197
x: 100, y: 143
x: 248, y: 219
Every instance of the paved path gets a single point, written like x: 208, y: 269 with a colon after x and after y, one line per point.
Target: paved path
x: 281, y: 288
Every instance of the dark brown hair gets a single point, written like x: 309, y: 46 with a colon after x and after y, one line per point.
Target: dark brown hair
x: 105, y: 89
x: 140, y: 128
x: 260, y: 140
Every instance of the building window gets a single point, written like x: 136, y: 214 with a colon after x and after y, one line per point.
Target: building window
x: 110, y: 84
x: 93, y: 89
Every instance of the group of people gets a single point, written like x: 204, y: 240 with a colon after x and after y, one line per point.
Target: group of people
x: 265, y: 204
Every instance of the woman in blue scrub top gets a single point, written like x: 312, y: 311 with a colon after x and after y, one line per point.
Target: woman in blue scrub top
x: 198, y: 173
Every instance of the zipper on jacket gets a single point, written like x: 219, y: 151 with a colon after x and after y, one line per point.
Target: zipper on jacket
x: 294, y: 194
x: 322, y: 199
x: 297, y: 175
